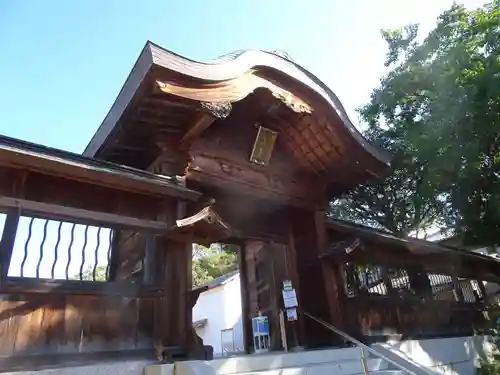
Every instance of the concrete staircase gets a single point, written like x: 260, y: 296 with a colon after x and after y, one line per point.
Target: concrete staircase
x: 345, y: 361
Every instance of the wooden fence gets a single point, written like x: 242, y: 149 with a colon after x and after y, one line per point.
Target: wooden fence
x: 381, y: 302
x: 75, y: 286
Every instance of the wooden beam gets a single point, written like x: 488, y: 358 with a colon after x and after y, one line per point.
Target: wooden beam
x: 7, y: 241
x: 202, y: 123
x: 57, y: 212
x: 168, y: 101
x: 19, y: 285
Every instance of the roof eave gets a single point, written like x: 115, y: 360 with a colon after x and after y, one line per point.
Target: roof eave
x: 408, y: 241
x: 136, y: 76
x: 238, y: 64
x: 67, y: 164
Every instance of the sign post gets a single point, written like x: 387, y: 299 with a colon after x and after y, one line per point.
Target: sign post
x: 289, y: 313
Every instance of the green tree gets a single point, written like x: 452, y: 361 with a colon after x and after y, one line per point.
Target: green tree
x: 404, y: 201
x: 437, y: 112
x: 88, y: 274
x: 490, y: 363
x: 210, y: 263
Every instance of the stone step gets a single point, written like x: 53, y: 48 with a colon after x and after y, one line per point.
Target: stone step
x: 343, y: 367
x: 271, y: 361
x: 389, y: 372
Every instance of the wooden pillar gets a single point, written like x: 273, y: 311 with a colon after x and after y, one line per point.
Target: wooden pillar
x: 7, y: 241
x: 295, y: 328
x: 148, y: 274
x: 483, y: 291
x: 276, y: 255
x: 174, y: 273
x: 175, y: 319
x: 245, y: 316
x: 331, y: 273
x: 115, y: 255
x: 387, y: 281
x: 457, y: 289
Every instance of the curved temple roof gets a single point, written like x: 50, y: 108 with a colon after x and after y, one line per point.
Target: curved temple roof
x: 233, y: 68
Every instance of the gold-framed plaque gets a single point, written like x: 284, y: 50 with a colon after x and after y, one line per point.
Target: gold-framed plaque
x: 263, y: 146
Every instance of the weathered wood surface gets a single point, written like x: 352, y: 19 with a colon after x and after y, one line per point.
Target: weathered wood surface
x: 48, y: 189
x: 265, y: 268
x: 173, y: 315
x: 31, y: 158
x: 31, y: 286
x: 222, y: 158
x: 378, y: 316
x: 316, y: 280
x: 204, y: 227
x: 322, y: 135
x: 57, y: 324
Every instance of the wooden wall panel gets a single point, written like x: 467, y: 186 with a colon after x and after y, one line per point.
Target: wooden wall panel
x: 56, y: 324
x: 412, y: 319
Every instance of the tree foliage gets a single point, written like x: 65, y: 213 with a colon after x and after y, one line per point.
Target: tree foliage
x: 490, y: 363
x: 437, y: 112
x: 88, y: 274
x: 403, y: 201
x: 210, y: 263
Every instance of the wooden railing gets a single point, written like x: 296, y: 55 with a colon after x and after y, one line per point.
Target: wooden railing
x: 379, y: 317
x: 381, y: 301
x: 75, y: 285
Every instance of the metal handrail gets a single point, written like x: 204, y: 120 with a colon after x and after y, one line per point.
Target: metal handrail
x: 358, y: 343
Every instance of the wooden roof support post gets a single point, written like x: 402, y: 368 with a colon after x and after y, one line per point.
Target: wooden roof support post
x: 149, y: 252
x: 296, y: 328
x: 483, y: 291
x: 174, y: 312
x: 245, y: 312
x: 387, y: 281
x: 171, y: 310
x: 457, y: 288
x: 331, y: 273
x: 114, y: 260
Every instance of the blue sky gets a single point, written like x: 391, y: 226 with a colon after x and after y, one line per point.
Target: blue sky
x: 62, y: 63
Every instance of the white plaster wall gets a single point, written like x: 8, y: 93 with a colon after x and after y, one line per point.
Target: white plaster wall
x: 232, y: 311
x: 222, y: 307
x: 450, y: 356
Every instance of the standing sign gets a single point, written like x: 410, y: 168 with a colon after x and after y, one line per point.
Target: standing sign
x: 290, y: 300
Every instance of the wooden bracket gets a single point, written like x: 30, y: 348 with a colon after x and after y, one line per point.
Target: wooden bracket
x: 202, y: 123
